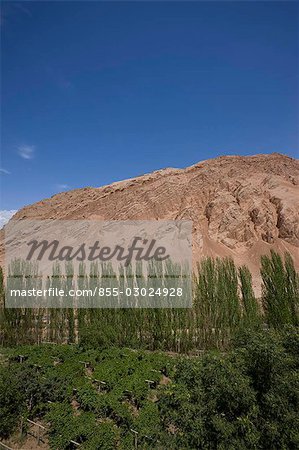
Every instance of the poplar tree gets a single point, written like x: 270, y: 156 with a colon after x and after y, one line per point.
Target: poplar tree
x: 279, y: 290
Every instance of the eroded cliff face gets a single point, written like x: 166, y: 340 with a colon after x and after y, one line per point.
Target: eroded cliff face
x: 240, y: 206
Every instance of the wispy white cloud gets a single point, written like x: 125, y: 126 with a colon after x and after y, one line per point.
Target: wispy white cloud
x: 11, y: 10
x: 6, y: 172
x: 23, y: 9
x: 57, y: 76
x: 63, y: 83
x: 62, y: 187
x: 5, y: 215
x: 26, y: 151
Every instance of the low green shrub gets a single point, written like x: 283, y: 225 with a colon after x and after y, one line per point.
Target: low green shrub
x: 12, y: 402
x: 247, y: 398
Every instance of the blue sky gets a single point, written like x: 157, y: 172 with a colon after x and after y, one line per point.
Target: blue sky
x: 95, y: 92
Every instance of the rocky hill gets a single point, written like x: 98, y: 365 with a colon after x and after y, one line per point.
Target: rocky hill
x: 240, y: 206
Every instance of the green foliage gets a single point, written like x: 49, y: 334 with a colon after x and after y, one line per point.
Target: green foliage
x: 271, y: 360
x: 12, y: 402
x: 290, y: 341
x: 247, y: 398
x: 280, y: 290
x: 243, y: 395
x: 104, y: 436
x: 211, y: 405
x: 59, y: 389
x: 82, y: 428
x: 217, y: 303
x: 224, y: 305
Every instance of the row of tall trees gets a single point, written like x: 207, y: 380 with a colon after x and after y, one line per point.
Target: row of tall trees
x: 224, y: 303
